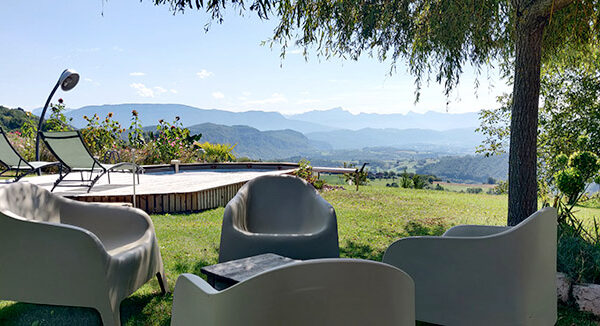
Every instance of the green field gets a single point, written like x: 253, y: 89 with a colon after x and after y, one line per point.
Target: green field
x: 369, y: 220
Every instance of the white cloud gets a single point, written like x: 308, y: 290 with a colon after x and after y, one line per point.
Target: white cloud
x: 136, y: 74
x: 204, y: 74
x: 246, y: 93
x: 142, y: 90
x: 89, y: 80
x: 174, y: 91
x: 159, y: 90
x: 273, y: 99
x: 218, y: 95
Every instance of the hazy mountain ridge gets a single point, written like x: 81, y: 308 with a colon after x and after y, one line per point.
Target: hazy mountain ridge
x: 256, y: 144
x: 307, y: 122
x: 458, y: 140
x: 429, y: 120
x: 149, y: 115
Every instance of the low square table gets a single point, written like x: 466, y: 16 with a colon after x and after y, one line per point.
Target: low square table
x: 224, y: 275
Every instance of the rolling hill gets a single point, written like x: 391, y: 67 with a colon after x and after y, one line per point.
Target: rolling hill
x: 257, y: 144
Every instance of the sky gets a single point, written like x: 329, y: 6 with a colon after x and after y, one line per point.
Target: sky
x: 128, y: 51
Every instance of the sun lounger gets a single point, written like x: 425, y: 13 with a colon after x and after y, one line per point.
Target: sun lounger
x: 14, y: 162
x: 70, y: 149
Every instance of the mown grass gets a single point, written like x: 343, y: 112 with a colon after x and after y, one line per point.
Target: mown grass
x: 368, y: 220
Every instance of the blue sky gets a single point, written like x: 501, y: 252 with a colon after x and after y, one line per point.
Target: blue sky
x: 140, y: 53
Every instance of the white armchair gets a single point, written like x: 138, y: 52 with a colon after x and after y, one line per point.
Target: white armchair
x: 63, y: 252
x: 484, y: 275
x: 283, y: 215
x: 314, y: 292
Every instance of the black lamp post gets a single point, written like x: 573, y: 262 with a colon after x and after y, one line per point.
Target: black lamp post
x: 68, y: 79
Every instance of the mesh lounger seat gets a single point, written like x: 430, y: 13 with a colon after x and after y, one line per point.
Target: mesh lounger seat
x: 70, y: 149
x: 283, y: 215
x: 59, y: 251
x: 13, y: 161
x: 315, y: 292
x: 484, y: 275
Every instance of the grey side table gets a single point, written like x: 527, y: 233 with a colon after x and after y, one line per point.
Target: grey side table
x: 224, y: 275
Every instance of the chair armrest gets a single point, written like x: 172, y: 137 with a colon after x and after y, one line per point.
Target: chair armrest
x: 47, y: 259
x: 108, y: 223
x: 191, y: 301
x: 448, y: 271
x: 474, y: 230
x: 236, y: 213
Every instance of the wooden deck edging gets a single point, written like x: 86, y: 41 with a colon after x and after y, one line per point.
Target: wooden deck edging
x: 173, y: 202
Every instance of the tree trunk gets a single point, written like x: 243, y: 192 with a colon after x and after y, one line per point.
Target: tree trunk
x: 522, y: 164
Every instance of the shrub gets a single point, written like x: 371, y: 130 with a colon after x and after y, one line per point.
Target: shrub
x: 172, y: 141
x: 102, y: 136
x: 358, y: 178
x: 418, y: 182
x: 474, y: 190
x: 318, y: 184
x: 57, y: 120
x: 578, y: 248
x: 217, y: 152
x: 305, y: 171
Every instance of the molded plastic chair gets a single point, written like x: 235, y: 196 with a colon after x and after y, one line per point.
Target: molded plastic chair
x: 13, y: 161
x: 70, y: 149
x: 58, y: 251
x: 484, y: 275
x: 278, y: 214
x: 314, y: 292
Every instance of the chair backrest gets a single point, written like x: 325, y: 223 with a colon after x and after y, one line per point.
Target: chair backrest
x: 29, y: 202
x: 282, y: 205
x: 8, y: 155
x: 69, y: 149
x: 319, y: 292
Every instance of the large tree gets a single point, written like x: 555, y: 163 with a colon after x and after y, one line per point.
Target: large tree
x: 438, y: 38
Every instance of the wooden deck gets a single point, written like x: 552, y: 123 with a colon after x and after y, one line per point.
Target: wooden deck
x: 187, y: 191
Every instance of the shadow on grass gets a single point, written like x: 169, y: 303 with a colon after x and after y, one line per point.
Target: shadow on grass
x: 148, y: 309
x: 352, y: 249
x: 427, y: 226
x: 194, y: 266
x: 29, y: 314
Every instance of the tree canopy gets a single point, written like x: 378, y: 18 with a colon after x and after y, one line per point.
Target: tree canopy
x: 437, y: 38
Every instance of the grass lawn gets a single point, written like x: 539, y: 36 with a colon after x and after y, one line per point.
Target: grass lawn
x: 368, y: 221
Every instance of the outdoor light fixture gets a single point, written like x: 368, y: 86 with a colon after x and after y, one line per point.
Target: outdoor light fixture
x: 67, y: 81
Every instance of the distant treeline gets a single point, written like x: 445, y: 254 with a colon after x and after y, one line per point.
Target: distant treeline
x: 468, y: 168
x: 12, y: 119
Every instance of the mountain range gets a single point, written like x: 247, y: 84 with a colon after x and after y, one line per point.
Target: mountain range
x: 459, y: 140
x: 308, y: 122
x: 271, y: 135
x: 149, y: 114
x: 429, y: 120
